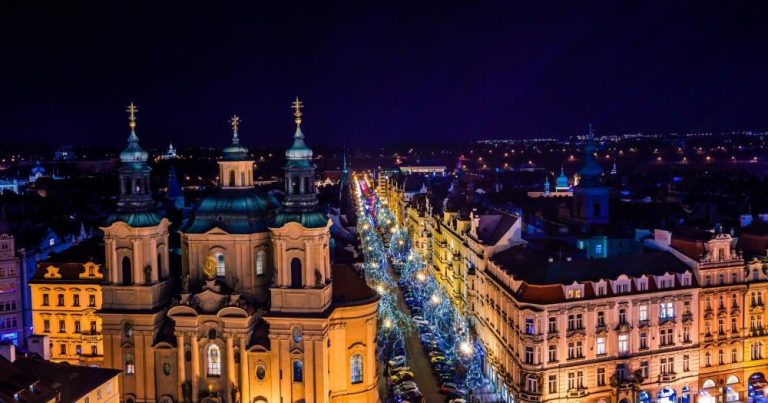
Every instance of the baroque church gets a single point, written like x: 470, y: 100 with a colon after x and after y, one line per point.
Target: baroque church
x: 260, y: 314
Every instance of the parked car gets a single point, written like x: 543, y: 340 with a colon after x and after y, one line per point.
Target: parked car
x: 397, y: 361
x: 452, y: 388
x: 401, y: 376
x: 438, y: 359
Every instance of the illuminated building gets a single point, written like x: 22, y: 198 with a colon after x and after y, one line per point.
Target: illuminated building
x: 262, y: 316
x: 10, y: 287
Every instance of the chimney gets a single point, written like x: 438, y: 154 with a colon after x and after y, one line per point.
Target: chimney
x: 40, y: 344
x: 8, y: 350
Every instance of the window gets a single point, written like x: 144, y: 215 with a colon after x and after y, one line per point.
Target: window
x: 757, y: 350
x: 553, y: 384
x: 214, y: 360
x: 721, y: 326
x: 622, y: 315
x: 528, y: 355
x: 93, y: 327
x: 532, y: 384
x: 261, y: 260
x: 708, y: 281
x: 60, y: 299
x: 221, y: 267
x: 755, y: 275
x: 734, y: 355
x: 708, y: 359
x: 552, y: 353
x: 46, y: 300
x: 686, y: 363
x: 721, y: 357
x: 623, y: 344
x: 667, y: 310
x: 666, y: 337
x: 77, y: 326
x: 571, y: 380
x: 94, y: 350
x: 128, y: 330
x: 46, y: 326
x: 667, y: 365
x: 78, y: 349
x: 644, y: 369
x: 686, y: 334
x: 575, y: 349
x: 63, y: 349
x: 75, y: 300
x: 601, y: 318
x: 356, y: 365
x: 62, y: 326
x: 598, y: 247
x: 643, y: 340
x: 552, y: 324
x: 643, y: 312
x: 574, y: 293
x: 91, y: 301
x: 600, y: 349
x: 529, y: 328
x: 601, y: 377
x: 130, y: 367
x: 721, y: 279
x: 298, y: 371
x: 575, y: 322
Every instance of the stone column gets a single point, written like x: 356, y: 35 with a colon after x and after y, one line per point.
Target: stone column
x: 244, y: 387
x: 166, y: 263
x: 180, y: 363
x: 195, y: 367
x: 138, y: 275
x: 231, y: 374
x: 154, y: 258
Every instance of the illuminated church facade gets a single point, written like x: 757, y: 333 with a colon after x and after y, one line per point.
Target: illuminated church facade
x: 260, y: 314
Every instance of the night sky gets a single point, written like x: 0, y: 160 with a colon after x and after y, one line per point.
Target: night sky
x: 378, y: 74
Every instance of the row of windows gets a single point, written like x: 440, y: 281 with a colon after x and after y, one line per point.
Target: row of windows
x: 6, y: 289
x: 8, y: 323
x: 221, y: 264
x: 78, y: 349
x: 7, y: 306
x: 576, y: 321
x: 75, y: 300
x: 63, y: 326
x: 7, y: 272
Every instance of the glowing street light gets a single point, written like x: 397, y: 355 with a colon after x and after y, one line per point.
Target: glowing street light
x: 421, y: 277
x: 435, y: 299
x: 465, y: 347
x: 387, y: 323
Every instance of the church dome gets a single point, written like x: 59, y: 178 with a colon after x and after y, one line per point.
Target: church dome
x: 134, y: 152
x: 299, y: 153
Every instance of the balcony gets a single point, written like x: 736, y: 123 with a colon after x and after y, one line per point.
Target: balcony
x: 578, y: 392
x: 643, y: 324
x: 669, y: 377
x: 670, y: 319
x: 687, y: 317
x: 623, y: 327
x: 757, y: 331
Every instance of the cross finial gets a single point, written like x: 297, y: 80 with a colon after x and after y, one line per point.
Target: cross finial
x: 297, y: 105
x: 234, y: 121
x: 132, y: 109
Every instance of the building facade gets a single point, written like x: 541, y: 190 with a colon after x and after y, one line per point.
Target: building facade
x: 259, y: 315
x: 11, y: 300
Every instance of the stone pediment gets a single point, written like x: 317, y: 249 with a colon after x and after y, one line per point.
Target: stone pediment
x: 210, y: 301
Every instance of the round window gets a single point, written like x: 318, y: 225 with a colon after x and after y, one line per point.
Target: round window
x: 261, y: 372
x: 167, y: 368
x: 297, y: 334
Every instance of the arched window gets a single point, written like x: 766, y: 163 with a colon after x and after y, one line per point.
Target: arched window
x: 127, y: 271
x: 214, y: 360
x: 298, y: 371
x: 356, y: 365
x: 128, y: 330
x: 231, y: 178
x: 130, y: 367
x: 261, y: 260
x: 221, y: 267
x: 296, y: 273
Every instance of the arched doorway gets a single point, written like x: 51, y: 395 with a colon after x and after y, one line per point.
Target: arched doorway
x: 756, y: 385
x: 127, y: 271
x: 296, y: 273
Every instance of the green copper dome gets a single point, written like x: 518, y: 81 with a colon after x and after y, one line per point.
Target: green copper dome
x: 236, y: 211
x: 299, y: 155
x: 133, y: 153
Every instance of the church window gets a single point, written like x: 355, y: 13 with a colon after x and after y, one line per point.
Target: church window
x: 221, y: 267
x: 128, y: 330
x: 297, y: 336
x: 130, y: 367
x: 356, y: 365
x: 296, y: 273
x: 214, y: 360
x: 167, y: 368
x: 126, y: 271
x: 261, y: 372
x: 298, y: 371
x: 261, y: 260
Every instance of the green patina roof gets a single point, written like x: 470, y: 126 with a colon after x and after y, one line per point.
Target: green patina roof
x: 236, y: 211
x: 136, y: 219
x: 314, y: 219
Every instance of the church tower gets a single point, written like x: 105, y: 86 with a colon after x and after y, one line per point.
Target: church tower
x: 138, y: 285
x: 300, y: 236
x: 235, y: 168
x: 590, y: 197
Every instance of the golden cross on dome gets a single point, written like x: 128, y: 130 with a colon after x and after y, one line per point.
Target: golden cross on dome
x: 234, y: 121
x: 132, y: 109
x: 297, y: 105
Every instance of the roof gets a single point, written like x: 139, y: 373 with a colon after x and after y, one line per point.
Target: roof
x: 491, y: 231
x: 72, y: 381
x: 311, y: 219
x: 136, y: 219
x: 692, y: 234
x: 533, y: 266
x: 91, y: 250
x: 236, y: 211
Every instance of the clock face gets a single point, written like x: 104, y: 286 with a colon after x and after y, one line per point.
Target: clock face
x: 297, y: 334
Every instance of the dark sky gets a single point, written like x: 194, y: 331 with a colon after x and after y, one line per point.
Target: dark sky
x: 378, y: 73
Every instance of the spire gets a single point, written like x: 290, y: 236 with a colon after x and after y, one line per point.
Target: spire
x: 297, y: 105
x: 133, y: 153
x: 234, y: 151
x: 591, y: 171
x: 299, y: 154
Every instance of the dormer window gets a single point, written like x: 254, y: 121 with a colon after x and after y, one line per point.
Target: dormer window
x: 685, y: 279
x: 642, y: 284
x: 574, y: 291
